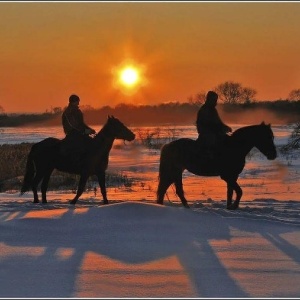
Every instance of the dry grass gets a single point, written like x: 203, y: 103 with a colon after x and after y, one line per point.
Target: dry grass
x: 13, y: 159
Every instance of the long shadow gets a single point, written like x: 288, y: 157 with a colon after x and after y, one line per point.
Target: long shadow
x: 282, y: 244
x: 132, y: 233
x: 271, y: 232
x: 41, y: 261
x: 210, y: 278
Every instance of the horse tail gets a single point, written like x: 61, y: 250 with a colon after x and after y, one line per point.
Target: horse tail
x: 162, y: 161
x: 29, y: 172
x: 166, y: 166
x: 168, y: 160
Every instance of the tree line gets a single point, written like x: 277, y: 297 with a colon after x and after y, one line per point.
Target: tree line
x: 236, y: 103
x: 172, y: 113
x: 231, y: 92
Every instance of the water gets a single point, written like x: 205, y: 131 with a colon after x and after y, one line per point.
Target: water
x: 16, y: 135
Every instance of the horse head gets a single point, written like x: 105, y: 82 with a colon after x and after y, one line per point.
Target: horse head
x: 265, y: 141
x: 119, y: 130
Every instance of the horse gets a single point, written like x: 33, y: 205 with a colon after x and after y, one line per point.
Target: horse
x: 46, y: 155
x: 184, y: 154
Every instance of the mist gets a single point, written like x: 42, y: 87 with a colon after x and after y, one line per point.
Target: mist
x: 255, y: 116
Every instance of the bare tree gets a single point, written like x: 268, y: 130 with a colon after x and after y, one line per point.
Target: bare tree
x: 197, y: 99
x: 56, y: 110
x: 86, y: 107
x: 248, y: 95
x: 232, y: 92
x: 294, y: 95
x: 294, y: 139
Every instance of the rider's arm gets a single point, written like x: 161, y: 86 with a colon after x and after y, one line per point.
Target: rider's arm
x: 85, y: 128
x: 219, y: 123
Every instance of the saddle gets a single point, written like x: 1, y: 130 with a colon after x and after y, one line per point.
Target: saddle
x: 211, y: 148
x: 206, y: 158
x: 74, y: 147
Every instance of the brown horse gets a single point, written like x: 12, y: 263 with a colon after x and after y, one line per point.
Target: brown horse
x: 46, y: 156
x: 184, y: 154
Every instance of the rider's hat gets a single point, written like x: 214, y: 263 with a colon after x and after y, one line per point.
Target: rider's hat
x: 211, y: 98
x: 73, y: 98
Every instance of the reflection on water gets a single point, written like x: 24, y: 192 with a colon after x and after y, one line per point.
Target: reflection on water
x: 16, y: 135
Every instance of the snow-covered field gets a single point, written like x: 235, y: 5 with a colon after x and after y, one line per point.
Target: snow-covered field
x: 136, y: 248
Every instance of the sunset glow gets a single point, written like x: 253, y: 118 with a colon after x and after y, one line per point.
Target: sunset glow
x: 129, y: 76
x: 144, y: 52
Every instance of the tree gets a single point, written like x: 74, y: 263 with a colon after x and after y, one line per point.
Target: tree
x: 232, y: 93
x: 198, y: 99
x: 248, y: 95
x: 294, y: 95
x: 87, y: 107
x: 294, y: 139
x: 56, y: 110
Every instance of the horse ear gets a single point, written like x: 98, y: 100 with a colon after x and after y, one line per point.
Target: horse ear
x: 108, y: 117
x: 263, y: 123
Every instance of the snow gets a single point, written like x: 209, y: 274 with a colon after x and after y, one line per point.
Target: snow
x: 135, y: 248
x: 141, y: 249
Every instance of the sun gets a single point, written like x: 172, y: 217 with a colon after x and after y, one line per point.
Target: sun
x: 129, y: 77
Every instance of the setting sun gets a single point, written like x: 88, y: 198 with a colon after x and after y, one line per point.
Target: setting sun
x: 129, y: 76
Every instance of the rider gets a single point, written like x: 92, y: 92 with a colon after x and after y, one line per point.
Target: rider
x: 77, y: 132
x: 211, y: 129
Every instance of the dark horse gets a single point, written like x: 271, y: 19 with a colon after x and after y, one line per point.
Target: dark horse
x: 184, y: 154
x: 46, y: 156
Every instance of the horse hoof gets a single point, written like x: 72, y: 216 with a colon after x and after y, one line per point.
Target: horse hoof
x: 36, y: 201
x: 232, y: 207
x: 72, y: 202
x: 186, y: 206
x: 105, y: 202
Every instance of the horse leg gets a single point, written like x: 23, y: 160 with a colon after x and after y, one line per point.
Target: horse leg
x: 81, y: 185
x: 44, y: 186
x: 101, y: 181
x: 229, y: 194
x: 163, y: 185
x: 35, y: 182
x: 238, y: 191
x: 179, y: 190
x: 35, y: 195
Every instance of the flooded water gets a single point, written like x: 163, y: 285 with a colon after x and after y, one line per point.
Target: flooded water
x: 260, y: 178
x: 16, y: 135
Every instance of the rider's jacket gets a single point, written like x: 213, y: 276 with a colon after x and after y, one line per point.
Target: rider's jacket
x: 72, y: 119
x: 209, y: 122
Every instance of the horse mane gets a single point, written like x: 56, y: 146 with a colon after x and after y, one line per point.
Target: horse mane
x: 101, y: 134
x: 243, y: 132
x: 105, y: 131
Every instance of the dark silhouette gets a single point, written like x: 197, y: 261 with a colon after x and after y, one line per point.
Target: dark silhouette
x: 77, y: 132
x: 211, y: 129
x: 183, y: 154
x: 46, y: 156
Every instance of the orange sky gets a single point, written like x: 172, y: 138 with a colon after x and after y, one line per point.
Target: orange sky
x: 50, y: 50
